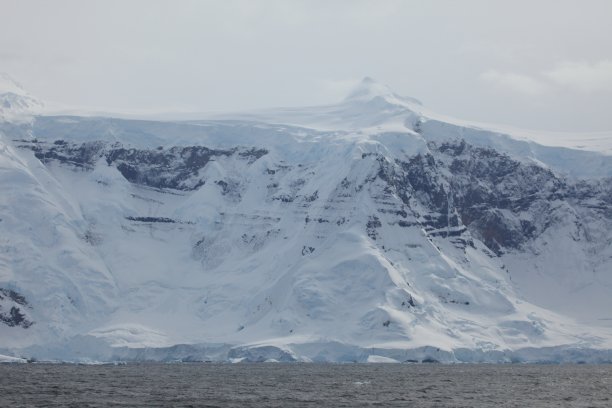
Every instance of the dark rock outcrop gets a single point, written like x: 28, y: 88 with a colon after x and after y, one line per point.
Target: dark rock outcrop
x: 174, y: 168
x: 12, y: 305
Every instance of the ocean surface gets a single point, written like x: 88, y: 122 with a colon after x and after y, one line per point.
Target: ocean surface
x: 304, y: 385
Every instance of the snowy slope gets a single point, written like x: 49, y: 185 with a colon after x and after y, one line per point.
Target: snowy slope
x: 356, y: 231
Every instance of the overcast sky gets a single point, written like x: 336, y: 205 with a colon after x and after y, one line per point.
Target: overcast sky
x: 530, y: 63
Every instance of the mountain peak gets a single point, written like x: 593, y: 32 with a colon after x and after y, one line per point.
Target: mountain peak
x: 9, y: 85
x: 15, y: 101
x: 369, y: 89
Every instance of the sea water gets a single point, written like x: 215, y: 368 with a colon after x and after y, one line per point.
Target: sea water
x: 304, y: 385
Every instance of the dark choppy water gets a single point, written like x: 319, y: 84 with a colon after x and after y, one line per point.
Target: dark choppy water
x: 303, y: 385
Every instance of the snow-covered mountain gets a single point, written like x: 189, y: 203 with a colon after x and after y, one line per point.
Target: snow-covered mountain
x: 355, y: 231
x: 15, y: 103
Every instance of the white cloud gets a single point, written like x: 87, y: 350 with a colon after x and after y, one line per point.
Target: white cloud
x: 335, y: 89
x: 515, y: 82
x: 582, y: 76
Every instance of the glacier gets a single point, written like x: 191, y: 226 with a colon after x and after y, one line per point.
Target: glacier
x: 366, y: 230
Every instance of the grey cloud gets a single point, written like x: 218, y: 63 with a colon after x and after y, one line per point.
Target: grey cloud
x: 583, y: 76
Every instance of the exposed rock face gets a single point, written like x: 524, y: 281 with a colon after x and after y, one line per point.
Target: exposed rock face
x: 175, y: 168
x: 80, y: 155
x: 453, y: 188
x: 163, y: 169
x: 13, y: 309
x: 503, y: 202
